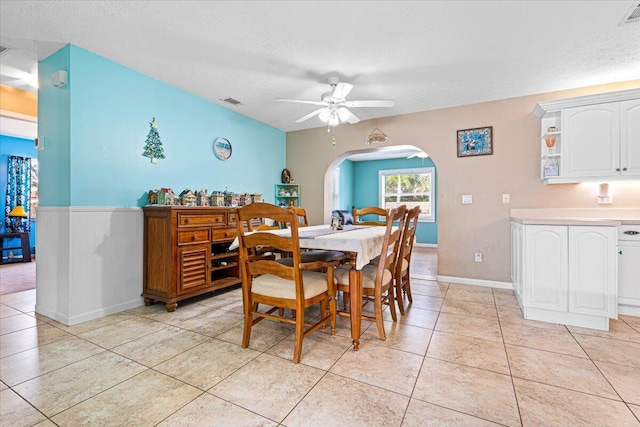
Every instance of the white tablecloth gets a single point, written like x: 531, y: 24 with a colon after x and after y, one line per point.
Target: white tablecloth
x: 364, y: 241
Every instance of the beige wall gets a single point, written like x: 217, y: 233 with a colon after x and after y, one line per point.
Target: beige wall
x: 513, y: 168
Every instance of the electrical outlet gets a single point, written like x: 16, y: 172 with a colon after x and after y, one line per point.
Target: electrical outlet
x: 478, y: 256
x: 467, y: 199
x: 506, y: 198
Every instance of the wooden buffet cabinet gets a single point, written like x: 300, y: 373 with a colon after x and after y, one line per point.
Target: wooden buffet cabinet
x: 186, y: 252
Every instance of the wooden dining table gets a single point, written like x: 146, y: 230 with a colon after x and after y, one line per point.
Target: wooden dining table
x: 363, y: 243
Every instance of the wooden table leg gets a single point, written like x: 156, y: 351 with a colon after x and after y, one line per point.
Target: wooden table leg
x: 26, y: 250
x: 355, y: 300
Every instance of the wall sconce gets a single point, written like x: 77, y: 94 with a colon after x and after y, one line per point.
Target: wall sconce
x: 17, y: 216
x: 604, y: 194
x: 59, y: 78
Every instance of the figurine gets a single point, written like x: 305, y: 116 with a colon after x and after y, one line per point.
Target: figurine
x: 187, y: 198
x: 152, y: 198
x: 202, y: 199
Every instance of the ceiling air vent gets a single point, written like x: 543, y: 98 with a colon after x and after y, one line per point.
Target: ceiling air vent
x: 633, y: 15
x: 232, y: 101
x: 3, y: 50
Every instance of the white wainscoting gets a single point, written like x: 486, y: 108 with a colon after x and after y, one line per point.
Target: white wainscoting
x: 89, y: 262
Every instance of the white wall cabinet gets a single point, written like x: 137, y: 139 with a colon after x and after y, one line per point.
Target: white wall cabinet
x: 630, y: 138
x: 568, y: 273
x: 591, y: 140
x: 600, y: 138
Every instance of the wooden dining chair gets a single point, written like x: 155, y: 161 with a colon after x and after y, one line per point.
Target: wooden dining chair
x: 368, y: 212
x: 267, y: 282
x: 403, y: 265
x: 301, y: 213
x: 266, y: 250
x: 321, y: 258
x: 378, y: 279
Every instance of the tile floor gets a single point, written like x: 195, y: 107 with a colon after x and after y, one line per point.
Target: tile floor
x: 462, y: 355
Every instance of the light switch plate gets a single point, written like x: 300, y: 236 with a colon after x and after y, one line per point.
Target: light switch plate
x: 467, y: 199
x: 506, y: 198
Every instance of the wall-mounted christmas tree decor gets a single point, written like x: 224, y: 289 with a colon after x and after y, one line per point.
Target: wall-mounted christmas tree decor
x: 153, y: 145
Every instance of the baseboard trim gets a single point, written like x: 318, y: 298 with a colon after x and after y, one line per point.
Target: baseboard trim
x: 425, y: 245
x: 423, y: 277
x: 475, y: 282
x: 628, y: 310
x: 85, y: 317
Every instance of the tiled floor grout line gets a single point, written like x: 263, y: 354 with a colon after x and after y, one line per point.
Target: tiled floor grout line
x: 506, y: 354
x: 598, y: 369
x: 424, y: 358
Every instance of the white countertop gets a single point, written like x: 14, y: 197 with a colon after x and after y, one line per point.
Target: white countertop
x: 593, y: 217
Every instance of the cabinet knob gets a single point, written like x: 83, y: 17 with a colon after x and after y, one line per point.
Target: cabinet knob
x: 620, y: 252
x: 624, y: 169
x: 186, y: 220
x: 617, y: 169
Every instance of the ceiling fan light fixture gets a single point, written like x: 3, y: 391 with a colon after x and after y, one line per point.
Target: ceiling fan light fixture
x: 343, y: 114
x: 377, y: 137
x: 334, y: 120
x: 324, y: 115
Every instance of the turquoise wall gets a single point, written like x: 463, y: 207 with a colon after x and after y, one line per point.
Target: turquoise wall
x: 366, y: 183
x: 12, y: 146
x: 95, y: 130
x: 54, y: 121
x: 346, y: 185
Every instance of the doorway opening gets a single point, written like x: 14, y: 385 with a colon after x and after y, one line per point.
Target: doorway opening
x: 356, y: 178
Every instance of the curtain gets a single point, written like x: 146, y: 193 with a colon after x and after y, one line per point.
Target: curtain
x: 18, y: 190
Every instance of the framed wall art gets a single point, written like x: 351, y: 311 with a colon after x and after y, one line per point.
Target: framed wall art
x: 475, y: 142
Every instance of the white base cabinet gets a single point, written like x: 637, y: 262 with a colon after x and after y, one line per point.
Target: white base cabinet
x: 628, y: 278
x: 566, y: 274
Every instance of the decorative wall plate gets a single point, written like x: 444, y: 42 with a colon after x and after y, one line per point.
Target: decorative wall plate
x: 222, y: 148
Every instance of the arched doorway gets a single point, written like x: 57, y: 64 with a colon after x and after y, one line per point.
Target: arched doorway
x: 371, y: 165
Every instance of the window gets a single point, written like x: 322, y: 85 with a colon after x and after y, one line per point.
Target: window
x: 409, y: 187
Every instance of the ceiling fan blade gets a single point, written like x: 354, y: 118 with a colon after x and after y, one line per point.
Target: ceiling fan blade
x: 302, y: 101
x: 342, y: 90
x: 347, y: 116
x: 371, y: 103
x: 308, y: 116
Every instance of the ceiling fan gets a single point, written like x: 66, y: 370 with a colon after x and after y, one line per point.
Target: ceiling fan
x: 335, y: 107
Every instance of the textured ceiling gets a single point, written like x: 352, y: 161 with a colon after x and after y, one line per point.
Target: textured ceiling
x: 424, y: 55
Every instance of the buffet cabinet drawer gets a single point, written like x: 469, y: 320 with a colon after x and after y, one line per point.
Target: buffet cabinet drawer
x: 228, y: 233
x: 193, y: 236
x: 190, y: 220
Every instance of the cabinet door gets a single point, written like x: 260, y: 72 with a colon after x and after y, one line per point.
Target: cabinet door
x: 630, y: 137
x: 629, y: 275
x: 194, y: 262
x: 545, y: 268
x: 517, y: 261
x: 593, y: 270
x: 591, y: 140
